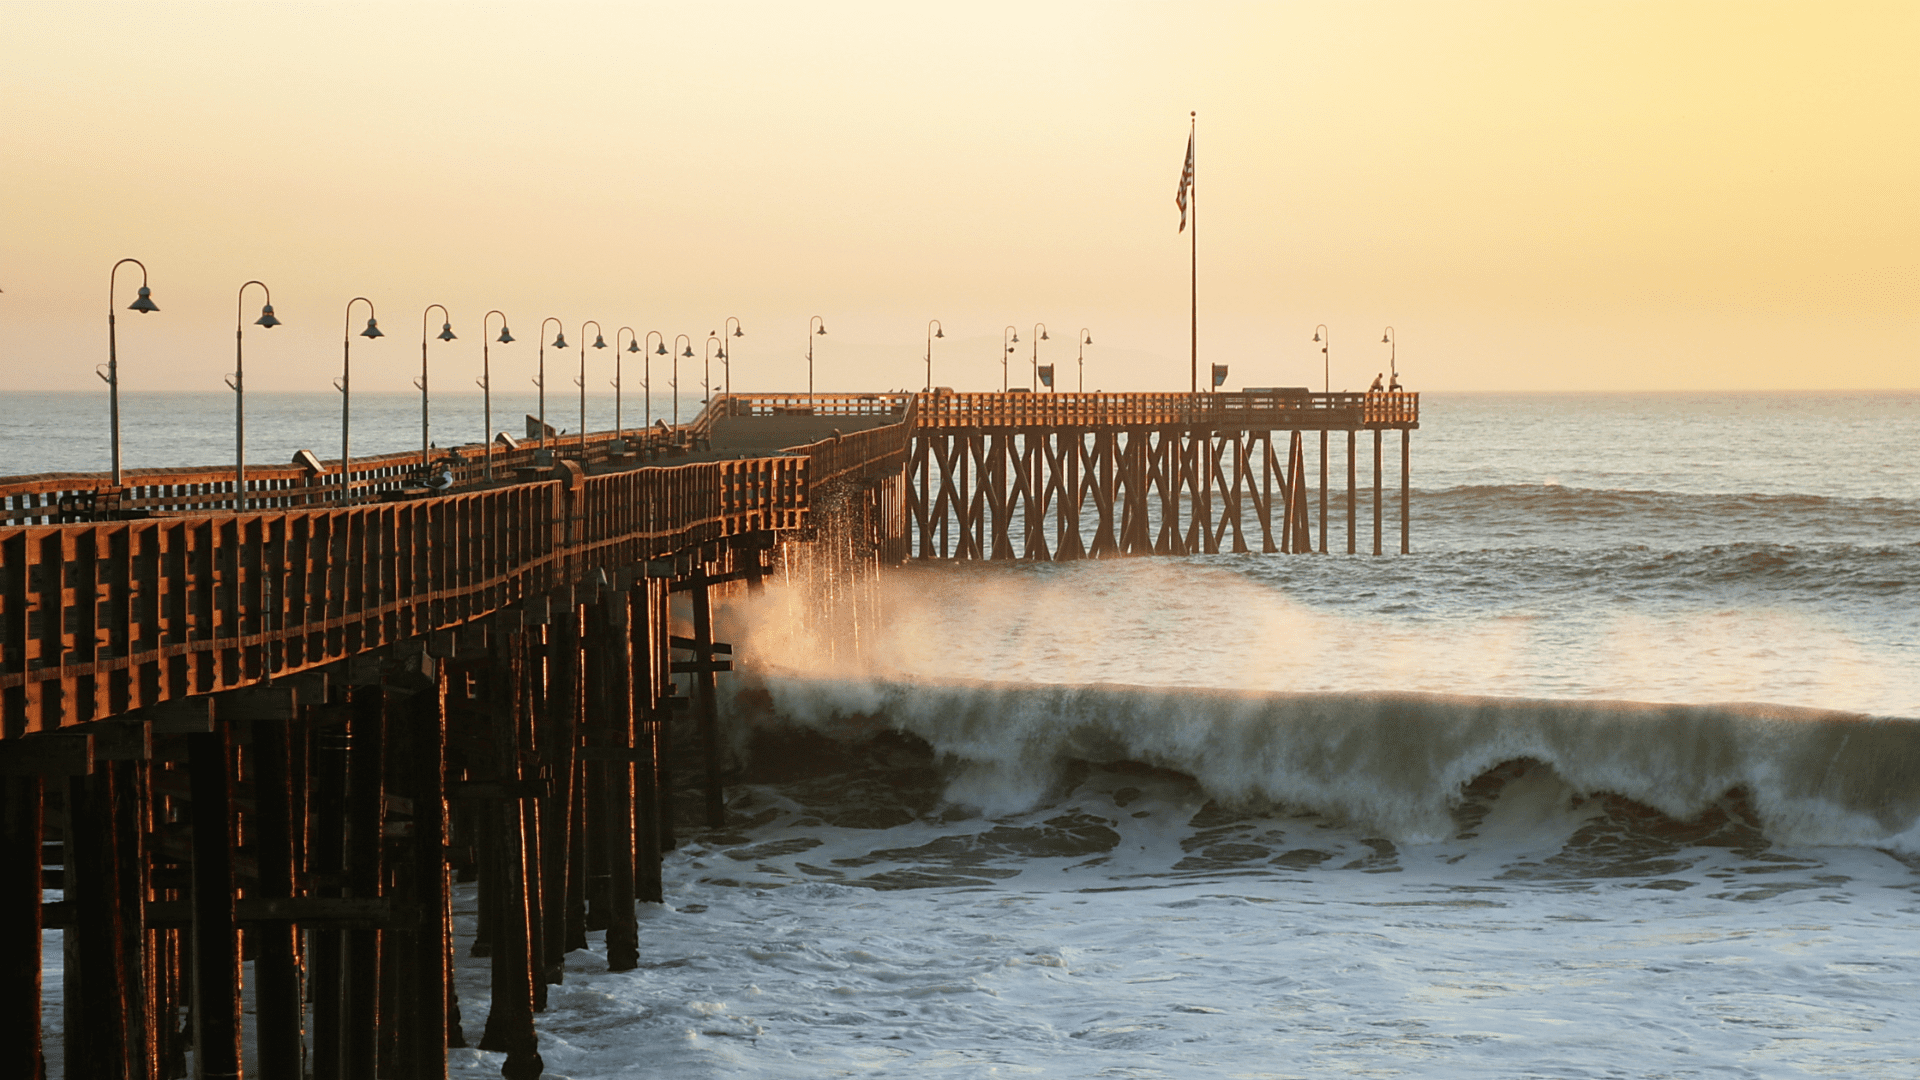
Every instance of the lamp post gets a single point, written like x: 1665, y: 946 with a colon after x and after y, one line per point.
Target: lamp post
x: 1086, y: 339
x: 738, y: 333
x: 646, y: 372
x: 445, y: 334
x: 486, y: 382
x: 238, y: 383
x: 633, y: 346
x: 580, y: 380
x: 1039, y: 329
x: 677, y: 339
x: 934, y: 330
x: 111, y: 376
x: 812, y: 333
x: 1326, y: 381
x: 1006, y: 350
x: 559, y: 342
x: 706, y: 375
x: 1393, y: 356
x: 344, y: 384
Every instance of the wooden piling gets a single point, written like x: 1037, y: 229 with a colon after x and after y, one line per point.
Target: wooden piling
x: 365, y: 875
x: 705, y: 694
x: 20, y: 924
x: 1376, y: 492
x: 1406, y: 468
x: 216, y: 956
x: 278, y: 1022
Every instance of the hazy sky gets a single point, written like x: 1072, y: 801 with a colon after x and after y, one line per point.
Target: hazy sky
x: 1536, y: 195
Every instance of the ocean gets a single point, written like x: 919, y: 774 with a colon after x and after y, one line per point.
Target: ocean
x: 1618, y: 774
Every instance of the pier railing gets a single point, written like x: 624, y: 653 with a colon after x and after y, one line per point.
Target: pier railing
x: 1279, y: 408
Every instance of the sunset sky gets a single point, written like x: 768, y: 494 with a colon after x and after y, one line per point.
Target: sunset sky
x: 1536, y: 196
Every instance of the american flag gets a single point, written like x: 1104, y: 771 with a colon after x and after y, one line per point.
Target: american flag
x: 1186, y: 184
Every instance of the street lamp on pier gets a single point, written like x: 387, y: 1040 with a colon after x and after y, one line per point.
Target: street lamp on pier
x: 1006, y: 350
x: 812, y: 333
x: 559, y: 342
x: 1326, y: 380
x: 238, y: 383
x: 1040, y: 330
x: 633, y: 346
x: 580, y: 380
x: 677, y: 339
x: 1086, y: 339
x: 486, y: 382
x: 646, y: 373
x: 111, y: 376
x: 344, y: 384
x: 1393, y: 358
x: 934, y: 330
x: 728, y: 365
x: 706, y: 375
x: 445, y: 334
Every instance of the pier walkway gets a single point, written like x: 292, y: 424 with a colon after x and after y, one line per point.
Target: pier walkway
x: 299, y: 708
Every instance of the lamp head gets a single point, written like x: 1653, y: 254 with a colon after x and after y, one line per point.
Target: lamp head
x: 372, y: 330
x: 446, y: 332
x: 661, y: 349
x: 1316, y: 335
x: 633, y: 346
x: 560, y: 340
x: 1089, y: 340
x: 1384, y: 339
x: 1016, y: 337
x: 689, y: 353
x: 822, y: 330
x: 504, y: 338
x: 737, y: 332
x: 599, y: 342
x: 939, y: 333
x: 1044, y: 337
x: 266, y: 317
x: 145, y: 303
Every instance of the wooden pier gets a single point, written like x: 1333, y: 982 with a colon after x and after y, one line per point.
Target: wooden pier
x: 270, y: 724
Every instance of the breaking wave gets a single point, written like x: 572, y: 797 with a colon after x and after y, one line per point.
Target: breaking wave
x: 1400, y: 764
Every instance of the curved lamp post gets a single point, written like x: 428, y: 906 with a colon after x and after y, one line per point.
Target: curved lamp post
x: 811, y: 334
x: 737, y: 332
x: 633, y: 346
x: 580, y: 380
x: 1039, y: 329
x: 934, y: 330
x: 675, y: 384
x: 1086, y: 339
x: 345, y: 386
x: 706, y: 373
x: 486, y: 382
x: 559, y: 342
x: 1006, y: 349
x: 1393, y: 356
x: 1326, y: 382
x: 238, y: 383
x: 646, y: 371
x: 445, y: 334
x: 112, y: 375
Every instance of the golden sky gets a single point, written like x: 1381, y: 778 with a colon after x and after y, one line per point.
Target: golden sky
x: 1555, y: 196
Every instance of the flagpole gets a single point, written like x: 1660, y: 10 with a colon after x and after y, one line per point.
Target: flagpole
x: 1193, y: 223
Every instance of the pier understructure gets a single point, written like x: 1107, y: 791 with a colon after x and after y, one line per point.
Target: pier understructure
x: 270, y: 726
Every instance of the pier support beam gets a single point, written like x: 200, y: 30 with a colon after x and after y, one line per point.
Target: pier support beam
x: 1406, y: 514
x: 1353, y: 493
x: 216, y: 956
x: 1376, y: 491
x: 20, y: 830
x: 1323, y: 492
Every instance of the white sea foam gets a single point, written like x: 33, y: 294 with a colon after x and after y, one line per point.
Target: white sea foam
x: 1399, y: 763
